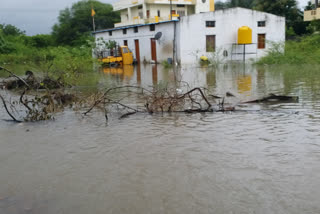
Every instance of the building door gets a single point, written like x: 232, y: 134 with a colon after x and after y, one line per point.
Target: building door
x: 210, y: 43
x: 136, y: 44
x: 261, y: 41
x: 153, y: 50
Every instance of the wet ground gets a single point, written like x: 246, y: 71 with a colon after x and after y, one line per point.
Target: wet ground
x: 265, y: 159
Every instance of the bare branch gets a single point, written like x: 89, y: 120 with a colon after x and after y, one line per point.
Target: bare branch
x: 12, y: 74
x: 5, y: 106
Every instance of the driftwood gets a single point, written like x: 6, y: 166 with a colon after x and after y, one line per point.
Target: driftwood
x: 103, y: 97
x: 159, y: 100
x: 7, y: 110
x: 31, y: 82
x: 19, y: 78
x: 275, y: 98
x: 156, y: 100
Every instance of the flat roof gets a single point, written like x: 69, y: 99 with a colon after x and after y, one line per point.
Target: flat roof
x: 132, y: 26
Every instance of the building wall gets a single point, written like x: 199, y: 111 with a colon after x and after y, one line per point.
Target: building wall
x: 144, y: 35
x: 165, y: 10
x: 310, y: 15
x: 193, y: 28
x: 191, y: 36
x: 202, y: 6
x: 124, y: 16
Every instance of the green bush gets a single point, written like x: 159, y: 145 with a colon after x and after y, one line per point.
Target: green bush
x: 39, y: 41
x: 304, y: 50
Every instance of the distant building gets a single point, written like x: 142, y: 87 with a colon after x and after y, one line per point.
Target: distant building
x: 212, y: 34
x: 313, y: 14
x: 135, y: 12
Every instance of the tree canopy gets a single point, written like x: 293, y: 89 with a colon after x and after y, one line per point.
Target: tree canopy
x: 235, y: 3
x: 286, y: 8
x: 10, y: 30
x: 75, y: 23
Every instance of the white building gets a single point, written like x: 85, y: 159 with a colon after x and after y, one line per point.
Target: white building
x: 210, y: 34
x: 134, y: 12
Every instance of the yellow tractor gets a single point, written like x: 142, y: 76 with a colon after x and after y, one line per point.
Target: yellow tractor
x: 118, y: 56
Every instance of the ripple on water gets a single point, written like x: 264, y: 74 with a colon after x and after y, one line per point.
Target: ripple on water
x: 261, y: 159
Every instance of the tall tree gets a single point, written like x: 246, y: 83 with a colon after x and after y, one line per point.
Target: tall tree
x: 241, y: 3
x: 286, y: 8
x: 234, y: 3
x: 75, y: 23
x: 11, y: 30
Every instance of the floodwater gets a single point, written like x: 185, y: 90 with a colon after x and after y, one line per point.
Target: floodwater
x: 265, y: 159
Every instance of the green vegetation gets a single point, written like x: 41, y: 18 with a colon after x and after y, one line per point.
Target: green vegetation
x: 305, y: 50
x: 67, y: 51
x: 39, y: 50
x: 166, y: 64
x: 75, y: 23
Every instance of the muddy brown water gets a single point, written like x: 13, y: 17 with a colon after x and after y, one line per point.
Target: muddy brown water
x: 264, y: 159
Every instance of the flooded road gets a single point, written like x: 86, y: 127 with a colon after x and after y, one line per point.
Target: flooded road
x: 262, y: 160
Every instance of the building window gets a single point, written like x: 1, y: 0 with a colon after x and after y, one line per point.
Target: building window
x: 180, y: 5
x: 152, y: 27
x: 125, y: 42
x: 261, y: 23
x: 135, y: 29
x: 313, y: 12
x: 210, y: 43
x: 158, y: 13
x: 110, y: 33
x: 210, y: 23
x: 140, y: 7
x: 124, y: 31
x: 261, y: 41
x: 148, y: 14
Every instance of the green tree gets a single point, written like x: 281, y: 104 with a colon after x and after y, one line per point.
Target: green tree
x: 10, y: 30
x: 286, y: 8
x: 75, y: 23
x: 39, y: 41
x: 5, y: 46
x: 241, y: 3
x: 309, y: 6
x: 234, y: 3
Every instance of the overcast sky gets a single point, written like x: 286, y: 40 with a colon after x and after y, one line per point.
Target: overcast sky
x: 38, y: 16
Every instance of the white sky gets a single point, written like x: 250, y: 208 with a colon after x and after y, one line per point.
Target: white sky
x: 38, y: 16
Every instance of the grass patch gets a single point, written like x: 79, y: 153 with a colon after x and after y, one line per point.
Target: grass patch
x: 38, y: 54
x: 304, y: 50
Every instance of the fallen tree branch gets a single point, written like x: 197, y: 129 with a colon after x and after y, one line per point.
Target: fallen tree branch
x: 127, y: 115
x: 202, y: 94
x: 5, y: 106
x: 12, y: 74
x: 273, y: 97
x: 97, y: 102
x: 24, y: 103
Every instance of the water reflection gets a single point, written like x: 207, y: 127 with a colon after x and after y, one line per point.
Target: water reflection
x: 154, y: 74
x: 124, y: 73
x: 243, y: 162
x: 244, y: 84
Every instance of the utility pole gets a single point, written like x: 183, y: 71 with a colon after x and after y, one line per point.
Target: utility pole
x: 170, y: 10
